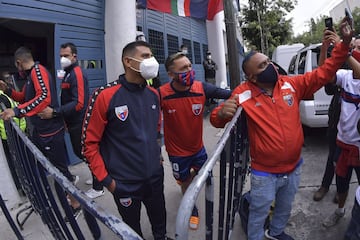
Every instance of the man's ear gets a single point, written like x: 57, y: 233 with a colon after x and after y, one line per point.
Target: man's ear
x: 126, y: 62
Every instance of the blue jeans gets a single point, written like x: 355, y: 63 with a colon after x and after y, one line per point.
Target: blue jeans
x: 264, y: 190
x: 353, y: 230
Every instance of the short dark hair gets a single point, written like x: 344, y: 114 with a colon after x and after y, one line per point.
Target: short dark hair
x: 130, y: 48
x: 246, y: 60
x: 23, y: 53
x: 171, y: 58
x: 71, y: 46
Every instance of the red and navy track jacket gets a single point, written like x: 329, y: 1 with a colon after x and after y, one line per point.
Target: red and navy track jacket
x: 183, y: 116
x: 74, y: 95
x: 120, y: 133
x: 275, y: 132
x: 38, y: 92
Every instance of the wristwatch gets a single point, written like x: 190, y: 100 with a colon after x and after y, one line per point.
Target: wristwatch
x: 54, y: 113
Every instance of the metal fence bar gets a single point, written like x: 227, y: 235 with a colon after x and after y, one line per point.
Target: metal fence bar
x: 9, y: 219
x: 34, y: 170
x: 190, y: 196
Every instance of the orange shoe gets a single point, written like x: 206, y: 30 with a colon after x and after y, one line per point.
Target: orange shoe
x: 194, y: 219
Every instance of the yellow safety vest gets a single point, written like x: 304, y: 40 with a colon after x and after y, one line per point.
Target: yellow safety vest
x: 21, y: 122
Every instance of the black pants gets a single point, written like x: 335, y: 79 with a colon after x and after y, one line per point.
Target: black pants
x: 75, y: 131
x: 343, y: 183
x: 54, y: 148
x: 332, y: 157
x: 151, y: 193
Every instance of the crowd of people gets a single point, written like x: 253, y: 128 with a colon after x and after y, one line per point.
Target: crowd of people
x: 117, y: 129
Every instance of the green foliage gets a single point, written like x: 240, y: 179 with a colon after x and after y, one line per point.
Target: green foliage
x: 356, y: 16
x: 315, y: 34
x: 264, y: 25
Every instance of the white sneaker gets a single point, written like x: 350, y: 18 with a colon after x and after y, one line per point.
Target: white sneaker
x: 92, y: 193
x: 89, y: 181
x: 333, y: 219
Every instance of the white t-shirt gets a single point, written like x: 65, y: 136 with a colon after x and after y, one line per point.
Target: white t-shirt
x: 350, y: 107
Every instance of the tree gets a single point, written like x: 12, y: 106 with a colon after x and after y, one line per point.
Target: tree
x: 315, y: 34
x: 264, y: 25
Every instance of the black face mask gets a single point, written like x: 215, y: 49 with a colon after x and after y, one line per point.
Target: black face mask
x: 269, y: 75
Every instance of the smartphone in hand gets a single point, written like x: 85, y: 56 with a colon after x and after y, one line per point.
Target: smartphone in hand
x: 350, y: 17
x: 329, y: 23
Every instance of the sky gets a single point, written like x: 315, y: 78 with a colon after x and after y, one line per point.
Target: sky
x: 307, y: 9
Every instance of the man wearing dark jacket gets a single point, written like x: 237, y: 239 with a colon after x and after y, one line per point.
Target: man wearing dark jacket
x: 120, y: 140
x: 38, y: 92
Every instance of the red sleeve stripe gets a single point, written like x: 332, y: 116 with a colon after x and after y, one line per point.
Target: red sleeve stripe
x: 80, y: 88
x: 42, y: 88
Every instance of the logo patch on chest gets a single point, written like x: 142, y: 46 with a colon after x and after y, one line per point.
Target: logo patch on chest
x: 196, y: 108
x: 289, y: 99
x: 122, y: 112
x: 126, y: 202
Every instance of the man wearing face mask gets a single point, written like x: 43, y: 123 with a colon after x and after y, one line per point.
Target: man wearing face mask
x: 120, y: 140
x: 39, y: 92
x: 74, y: 100
x: 271, y: 102
x: 182, y: 102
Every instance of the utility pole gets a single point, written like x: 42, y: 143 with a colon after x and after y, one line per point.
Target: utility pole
x: 233, y: 53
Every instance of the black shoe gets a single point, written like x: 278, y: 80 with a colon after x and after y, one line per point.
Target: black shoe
x: 282, y: 236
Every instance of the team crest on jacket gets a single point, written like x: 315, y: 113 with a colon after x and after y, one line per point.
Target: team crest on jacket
x: 122, y: 112
x: 289, y: 99
x: 126, y: 202
x: 196, y: 108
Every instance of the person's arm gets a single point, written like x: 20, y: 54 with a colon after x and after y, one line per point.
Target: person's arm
x: 355, y: 66
x: 211, y: 91
x: 224, y: 112
x: 41, y: 81
x: 310, y: 82
x: 92, y: 135
x: 79, y: 91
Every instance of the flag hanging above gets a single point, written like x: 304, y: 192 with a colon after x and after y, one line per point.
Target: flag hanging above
x: 201, y: 9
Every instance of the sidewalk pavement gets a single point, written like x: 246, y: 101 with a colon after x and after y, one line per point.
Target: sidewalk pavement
x: 305, y: 221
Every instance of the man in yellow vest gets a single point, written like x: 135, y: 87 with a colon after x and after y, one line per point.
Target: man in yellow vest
x: 21, y: 122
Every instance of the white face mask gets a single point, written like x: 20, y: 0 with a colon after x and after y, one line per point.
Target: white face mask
x: 149, y: 68
x: 65, y: 62
x: 185, y: 51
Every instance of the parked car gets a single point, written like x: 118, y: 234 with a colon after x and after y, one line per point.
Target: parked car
x: 314, y: 110
x: 283, y: 54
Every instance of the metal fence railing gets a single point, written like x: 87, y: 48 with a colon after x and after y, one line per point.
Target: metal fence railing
x: 232, y: 150
x: 38, y: 176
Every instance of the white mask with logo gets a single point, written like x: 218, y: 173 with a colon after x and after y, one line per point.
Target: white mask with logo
x: 149, y: 67
x: 65, y: 62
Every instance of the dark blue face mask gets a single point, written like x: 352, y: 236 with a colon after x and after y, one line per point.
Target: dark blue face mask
x: 269, y: 75
x: 185, y: 78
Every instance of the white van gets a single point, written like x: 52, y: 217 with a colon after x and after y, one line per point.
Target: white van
x: 313, y: 111
x: 283, y: 54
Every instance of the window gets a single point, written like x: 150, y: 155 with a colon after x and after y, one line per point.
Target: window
x: 156, y: 41
x: 173, y: 43
x: 91, y: 64
x: 302, y: 60
x: 187, y: 43
x: 292, y: 65
x: 197, y: 53
x: 205, y: 48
